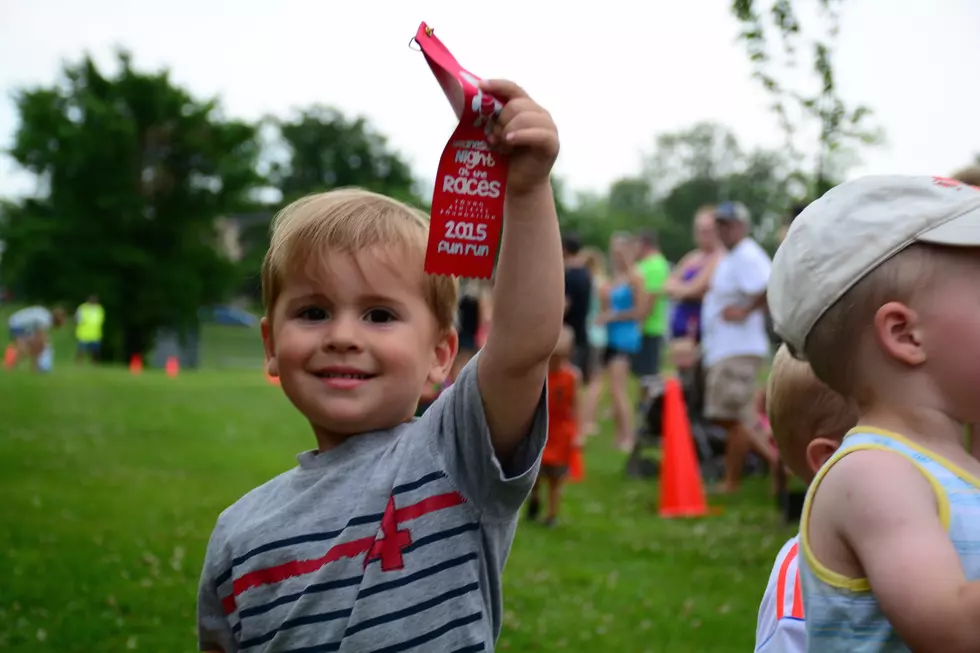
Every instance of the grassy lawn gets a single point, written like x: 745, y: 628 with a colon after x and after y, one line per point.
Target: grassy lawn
x: 111, y: 483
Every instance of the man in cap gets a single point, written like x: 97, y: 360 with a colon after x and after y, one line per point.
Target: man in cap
x: 735, y: 342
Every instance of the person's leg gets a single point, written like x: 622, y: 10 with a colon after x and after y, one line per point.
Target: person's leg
x: 581, y: 360
x: 593, y: 393
x: 534, y: 501
x: 35, y: 346
x: 646, y: 368
x: 22, y: 348
x: 554, y: 496
x: 619, y: 370
x: 730, y: 388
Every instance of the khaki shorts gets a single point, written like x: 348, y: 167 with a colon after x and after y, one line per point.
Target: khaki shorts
x: 730, y: 389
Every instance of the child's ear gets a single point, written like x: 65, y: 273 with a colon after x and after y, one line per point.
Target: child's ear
x: 819, y: 452
x: 897, y: 331
x: 445, y: 353
x: 269, y: 345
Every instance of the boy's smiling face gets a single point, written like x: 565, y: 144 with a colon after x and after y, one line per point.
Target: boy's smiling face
x: 354, y: 342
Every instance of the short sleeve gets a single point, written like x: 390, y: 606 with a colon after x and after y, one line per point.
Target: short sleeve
x: 213, y: 626
x: 457, y: 427
x: 752, y: 270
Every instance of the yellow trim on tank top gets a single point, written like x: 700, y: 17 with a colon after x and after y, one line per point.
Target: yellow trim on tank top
x: 833, y: 578
x: 951, y: 467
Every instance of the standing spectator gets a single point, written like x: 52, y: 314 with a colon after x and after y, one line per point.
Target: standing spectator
x: 623, y: 334
x: 687, y: 285
x: 88, y: 329
x: 564, y: 432
x: 654, y: 269
x: 578, y: 298
x: 734, y: 339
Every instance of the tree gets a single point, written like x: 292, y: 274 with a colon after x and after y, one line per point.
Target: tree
x: 325, y: 149
x: 840, y: 129
x: 134, y: 172
x: 705, y: 164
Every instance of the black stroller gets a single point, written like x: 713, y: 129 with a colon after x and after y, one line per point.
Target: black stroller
x: 709, y: 439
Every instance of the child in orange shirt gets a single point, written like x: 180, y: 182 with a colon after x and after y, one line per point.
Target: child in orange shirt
x: 564, y: 434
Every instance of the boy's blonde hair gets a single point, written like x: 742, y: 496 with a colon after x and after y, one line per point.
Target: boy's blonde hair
x: 351, y: 220
x: 834, y: 345
x: 801, y: 408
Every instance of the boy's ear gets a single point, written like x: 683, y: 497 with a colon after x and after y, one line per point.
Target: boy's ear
x: 819, y: 452
x: 445, y: 353
x: 269, y: 345
x: 897, y: 331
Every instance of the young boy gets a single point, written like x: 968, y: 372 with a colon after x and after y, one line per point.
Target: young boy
x: 392, y: 534
x: 808, y: 421
x: 878, y: 285
x: 563, y: 427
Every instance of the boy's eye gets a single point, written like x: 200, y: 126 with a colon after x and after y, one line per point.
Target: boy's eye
x: 379, y: 315
x: 312, y: 313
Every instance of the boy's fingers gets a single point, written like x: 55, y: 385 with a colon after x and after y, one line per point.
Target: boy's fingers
x: 516, y: 108
x: 538, y: 138
x: 503, y: 89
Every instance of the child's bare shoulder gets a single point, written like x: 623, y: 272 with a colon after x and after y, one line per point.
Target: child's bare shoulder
x: 867, y: 483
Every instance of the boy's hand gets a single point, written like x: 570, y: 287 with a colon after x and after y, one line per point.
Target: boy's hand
x: 526, y: 133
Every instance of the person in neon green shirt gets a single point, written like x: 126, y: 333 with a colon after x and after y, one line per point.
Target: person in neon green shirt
x: 654, y: 304
x: 88, y: 329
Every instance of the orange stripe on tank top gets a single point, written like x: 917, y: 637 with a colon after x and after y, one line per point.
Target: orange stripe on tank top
x: 781, y: 583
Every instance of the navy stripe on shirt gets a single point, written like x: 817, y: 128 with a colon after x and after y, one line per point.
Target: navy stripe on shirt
x: 325, y: 535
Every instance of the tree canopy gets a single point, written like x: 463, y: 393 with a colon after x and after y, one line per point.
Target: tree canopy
x: 136, y: 178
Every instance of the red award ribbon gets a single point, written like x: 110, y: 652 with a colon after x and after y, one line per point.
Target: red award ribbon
x: 468, y: 202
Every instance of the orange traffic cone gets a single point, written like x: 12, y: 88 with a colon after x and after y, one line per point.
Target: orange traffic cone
x: 576, y: 466
x: 681, y: 488
x: 135, y: 364
x: 172, y: 367
x: 10, y: 356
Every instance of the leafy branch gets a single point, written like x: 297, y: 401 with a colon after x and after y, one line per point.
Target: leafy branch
x: 840, y: 128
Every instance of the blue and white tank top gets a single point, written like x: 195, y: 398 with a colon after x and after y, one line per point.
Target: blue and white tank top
x: 842, y: 614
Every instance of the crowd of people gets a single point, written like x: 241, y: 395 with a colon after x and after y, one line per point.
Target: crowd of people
x: 706, y: 313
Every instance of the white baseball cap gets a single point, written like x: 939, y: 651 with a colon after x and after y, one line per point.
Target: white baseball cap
x: 855, y: 227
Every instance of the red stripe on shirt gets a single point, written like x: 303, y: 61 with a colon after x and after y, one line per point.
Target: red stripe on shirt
x: 352, y: 549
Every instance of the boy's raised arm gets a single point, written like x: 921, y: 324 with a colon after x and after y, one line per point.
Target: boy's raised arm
x: 528, y: 294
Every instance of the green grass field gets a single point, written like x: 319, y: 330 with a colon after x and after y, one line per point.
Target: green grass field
x: 111, y: 483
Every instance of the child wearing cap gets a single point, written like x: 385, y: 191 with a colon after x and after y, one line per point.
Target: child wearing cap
x: 808, y: 421
x: 393, y: 532
x: 877, y: 284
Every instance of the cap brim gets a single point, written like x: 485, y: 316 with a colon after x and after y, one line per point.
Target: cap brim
x: 961, y: 231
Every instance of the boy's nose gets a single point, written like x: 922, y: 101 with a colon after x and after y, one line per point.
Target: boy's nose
x: 343, y: 334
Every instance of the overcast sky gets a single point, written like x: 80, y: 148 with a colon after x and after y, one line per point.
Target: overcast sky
x: 613, y: 73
